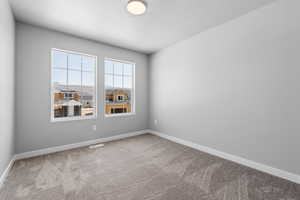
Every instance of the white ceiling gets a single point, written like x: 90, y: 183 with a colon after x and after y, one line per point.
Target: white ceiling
x: 166, y: 21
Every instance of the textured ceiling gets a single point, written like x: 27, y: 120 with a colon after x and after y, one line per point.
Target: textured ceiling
x: 166, y: 21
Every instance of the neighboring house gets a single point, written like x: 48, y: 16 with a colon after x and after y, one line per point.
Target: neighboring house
x: 86, y: 94
x: 87, y: 100
x: 67, y: 103
x: 117, y: 101
x: 73, y: 100
x: 79, y: 101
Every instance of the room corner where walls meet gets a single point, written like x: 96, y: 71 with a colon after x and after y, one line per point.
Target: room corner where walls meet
x: 7, y: 85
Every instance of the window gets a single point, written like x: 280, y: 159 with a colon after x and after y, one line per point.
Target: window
x: 119, y: 87
x: 67, y: 95
x: 73, y: 85
x: 120, y: 97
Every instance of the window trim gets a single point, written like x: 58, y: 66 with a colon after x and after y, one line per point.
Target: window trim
x: 52, y: 118
x: 132, y: 113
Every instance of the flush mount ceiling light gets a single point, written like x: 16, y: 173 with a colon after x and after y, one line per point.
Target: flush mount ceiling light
x: 136, y: 7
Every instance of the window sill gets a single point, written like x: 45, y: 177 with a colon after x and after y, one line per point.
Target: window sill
x: 119, y: 115
x: 72, y: 119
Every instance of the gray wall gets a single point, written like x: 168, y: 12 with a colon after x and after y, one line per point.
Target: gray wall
x: 7, y: 40
x: 33, y: 127
x: 235, y: 87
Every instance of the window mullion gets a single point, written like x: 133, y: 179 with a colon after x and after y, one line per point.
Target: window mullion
x: 81, y: 89
x: 123, y: 75
x: 132, y: 97
x: 67, y: 71
x: 81, y: 73
x: 113, y: 86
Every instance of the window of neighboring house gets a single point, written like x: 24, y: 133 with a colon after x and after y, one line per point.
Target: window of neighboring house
x: 73, y: 85
x: 119, y: 87
x: 120, y: 97
x: 118, y: 110
x: 68, y: 96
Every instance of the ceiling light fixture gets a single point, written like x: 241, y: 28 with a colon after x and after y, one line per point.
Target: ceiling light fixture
x: 136, y: 7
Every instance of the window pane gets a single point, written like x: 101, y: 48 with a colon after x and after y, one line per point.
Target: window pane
x: 109, y: 81
x: 118, y: 68
x: 88, y: 78
x: 87, y: 100
x: 117, y: 101
x: 74, y: 78
x: 88, y: 63
x: 118, y: 81
x: 128, y: 69
x: 109, y: 68
x: 127, y: 82
x: 59, y: 59
x: 59, y: 76
x: 74, y: 61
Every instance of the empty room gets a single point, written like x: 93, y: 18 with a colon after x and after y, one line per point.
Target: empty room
x: 150, y: 100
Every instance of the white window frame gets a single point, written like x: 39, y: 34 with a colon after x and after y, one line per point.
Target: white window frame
x: 133, y: 100
x: 64, y: 119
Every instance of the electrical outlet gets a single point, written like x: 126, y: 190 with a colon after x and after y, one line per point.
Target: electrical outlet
x: 155, y: 122
x: 94, y: 127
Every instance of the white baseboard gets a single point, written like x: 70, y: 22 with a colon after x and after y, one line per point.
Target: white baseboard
x: 76, y: 145
x: 6, y: 171
x: 63, y: 148
x: 252, y: 164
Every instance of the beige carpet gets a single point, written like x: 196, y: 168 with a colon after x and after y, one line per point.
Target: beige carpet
x: 140, y: 168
